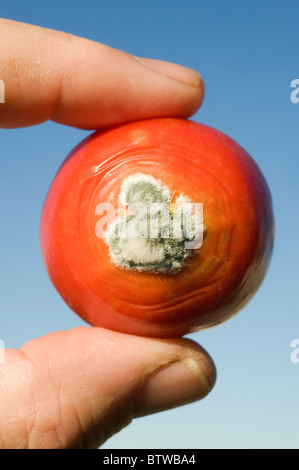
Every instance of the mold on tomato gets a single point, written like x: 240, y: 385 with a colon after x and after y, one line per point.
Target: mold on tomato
x: 159, y: 235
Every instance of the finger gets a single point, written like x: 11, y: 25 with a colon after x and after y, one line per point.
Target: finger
x: 75, y: 389
x: 78, y: 82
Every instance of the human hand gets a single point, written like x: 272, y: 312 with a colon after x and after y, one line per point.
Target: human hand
x: 75, y: 389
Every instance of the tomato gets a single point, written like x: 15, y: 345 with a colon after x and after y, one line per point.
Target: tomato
x: 159, y: 228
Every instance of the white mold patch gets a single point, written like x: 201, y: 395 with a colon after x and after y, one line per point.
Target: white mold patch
x: 156, y: 234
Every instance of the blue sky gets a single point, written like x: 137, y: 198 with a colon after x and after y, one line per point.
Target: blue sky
x: 247, y: 54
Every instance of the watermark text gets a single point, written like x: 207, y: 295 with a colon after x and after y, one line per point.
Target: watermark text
x: 295, y: 353
x: 2, y: 352
x: 295, y: 93
x: 152, y: 221
x: 2, y: 92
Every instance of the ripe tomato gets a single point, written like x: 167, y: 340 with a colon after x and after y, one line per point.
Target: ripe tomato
x: 158, y: 228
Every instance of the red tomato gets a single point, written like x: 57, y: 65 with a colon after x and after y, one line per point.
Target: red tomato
x: 115, y: 272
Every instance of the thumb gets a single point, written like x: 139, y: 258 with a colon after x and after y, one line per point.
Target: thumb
x: 80, y: 387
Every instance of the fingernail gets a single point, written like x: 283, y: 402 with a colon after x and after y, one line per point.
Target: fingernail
x: 173, y: 385
x: 177, y: 72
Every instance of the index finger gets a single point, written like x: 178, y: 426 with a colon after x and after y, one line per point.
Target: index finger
x: 78, y: 82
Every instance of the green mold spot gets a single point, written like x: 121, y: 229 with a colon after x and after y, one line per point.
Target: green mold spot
x: 151, y: 237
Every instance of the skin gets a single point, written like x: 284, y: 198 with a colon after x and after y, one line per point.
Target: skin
x: 76, y: 388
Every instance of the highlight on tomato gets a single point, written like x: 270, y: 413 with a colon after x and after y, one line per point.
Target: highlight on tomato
x: 159, y: 227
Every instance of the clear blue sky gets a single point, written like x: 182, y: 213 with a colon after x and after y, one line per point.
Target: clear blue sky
x: 247, y: 53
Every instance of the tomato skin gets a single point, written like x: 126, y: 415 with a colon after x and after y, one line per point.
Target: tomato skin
x: 189, y: 158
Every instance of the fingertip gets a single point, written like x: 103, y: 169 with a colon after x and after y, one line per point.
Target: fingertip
x: 195, y: 99
x: 194, y: 88
x: 177, y: 383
